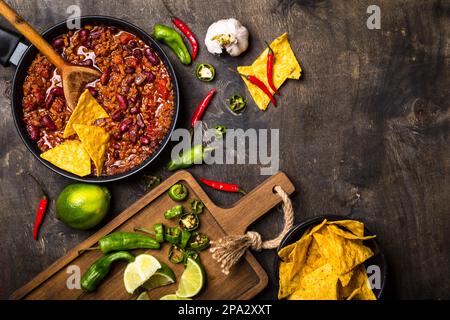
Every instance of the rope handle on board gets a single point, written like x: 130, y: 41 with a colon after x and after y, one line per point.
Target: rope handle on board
x: 229, y: 250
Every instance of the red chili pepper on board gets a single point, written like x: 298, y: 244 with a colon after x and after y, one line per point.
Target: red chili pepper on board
x: 188, y: 33
x: 270, y: 62
x: 259, y: 84
x: 42, y: 208
x: 202, y: 107
x: 227, y: 187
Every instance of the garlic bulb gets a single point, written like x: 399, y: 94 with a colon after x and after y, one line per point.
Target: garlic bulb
x: 228, y: 34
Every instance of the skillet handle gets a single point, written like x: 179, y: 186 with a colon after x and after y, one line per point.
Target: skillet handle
x: 9, y: 42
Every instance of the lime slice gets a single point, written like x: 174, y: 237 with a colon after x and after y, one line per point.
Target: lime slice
x: 143, y: 296
x: 163, y: 277
x: 139, y: 271
x: 173, y: 297
x: 192, y: 280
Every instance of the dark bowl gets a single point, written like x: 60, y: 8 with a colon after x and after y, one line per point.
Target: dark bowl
x: 29, y: 55
x: 296, y: 232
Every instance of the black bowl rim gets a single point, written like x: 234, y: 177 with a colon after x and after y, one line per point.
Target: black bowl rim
x: 318, y: 219
x: 97, y: 19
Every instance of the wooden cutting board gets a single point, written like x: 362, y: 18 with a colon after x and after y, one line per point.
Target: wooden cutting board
x: 245, y: 280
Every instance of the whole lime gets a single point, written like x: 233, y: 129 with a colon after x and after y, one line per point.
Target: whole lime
x: 82, y: 206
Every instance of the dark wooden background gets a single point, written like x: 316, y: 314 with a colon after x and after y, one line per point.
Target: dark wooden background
x: 364, y: 134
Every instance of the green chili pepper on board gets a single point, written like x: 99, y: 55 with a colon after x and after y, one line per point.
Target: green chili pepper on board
x: 189, y: 222
x: 197, y: 206
x: 205, y: 72
x: 158, y: 228
x: 173, y: 235
x: 199, y: 241
x: 176, y: 255
x: 191, y: 254
x: 185, y: 237
x: 174, y: 212
x: 118, y: 241
x: 100, y: 269
x: 178, y: 192
x: 173, y: 39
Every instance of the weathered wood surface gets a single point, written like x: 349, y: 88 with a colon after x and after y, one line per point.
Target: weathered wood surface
x: 364, y: 134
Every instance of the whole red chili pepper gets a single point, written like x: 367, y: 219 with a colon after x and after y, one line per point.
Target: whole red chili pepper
x: 259, y: 84
x: 270, y: 62
x: 201, y: 108
x: 228, y: 187
x: 42, y: 208
x: 188, y: 33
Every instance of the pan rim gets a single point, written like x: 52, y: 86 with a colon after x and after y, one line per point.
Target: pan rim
x: 108, y: 20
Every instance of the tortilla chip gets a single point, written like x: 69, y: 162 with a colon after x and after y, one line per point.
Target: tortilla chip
x: 355, y: 227
x: 359, y: 287
x: 345, y: 278
x: 285, y: 67
x: 86, y: 112
x: 95, y: 140
x: 347, y: 235
x: 70, y: 156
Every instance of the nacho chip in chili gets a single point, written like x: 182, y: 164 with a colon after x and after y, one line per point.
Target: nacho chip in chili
x: 70, y: 156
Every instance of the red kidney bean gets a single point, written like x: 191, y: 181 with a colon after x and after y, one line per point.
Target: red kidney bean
x: 104, y: 79
x: 117, y: 115
x: 49, y: 101
x: 96, y: 33
x: 151, y: 56
x: 116, y: 146
x: 88, y: 63
x: 57, y: 92
x: 83, y: 35
x: 93, y: 91
x: 132, y: 44
x: 58, y: 42
x: 145, y: 140
x: 150, y: 76
x: 125, y: 37
x: 113, y: 30
x: 33, y: 132
x: 134, y: 110
x: 48, y: 122
x: 116, y: 154
x: 130, y: 70
x: 137, y: 53
x: 140, y: 121
x: 125, y: 125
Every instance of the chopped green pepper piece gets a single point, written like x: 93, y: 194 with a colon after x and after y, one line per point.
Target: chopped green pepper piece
x: 185, y: 237
x: 197, y: 206
x: 189, y: 222
x: 173, y: 235
x: 174, y: 212
x: 220, y: 131
x: 176, y: 255
x: 199, y: 241
x: 237, y: 103
x: 178, y: 192
x: 159, y: 232
x: 205, y: 72
x: 191, y: 254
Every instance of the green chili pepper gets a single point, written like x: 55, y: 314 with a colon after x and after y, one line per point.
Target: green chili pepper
x: 185, y: 237
x: 178, y: 192
x: 191, y: 254
x: 199, y: 241
x: 176, y: 255
x: 159, y: 232
x: 173, y: 39
x: 205, y: 72
x: 189, y: 222
x: 173, y: 235
x: 174, y: 212
x: 118, y: 241
x: 237, y: 103
x: 219, y: 131
x: 194, y: 155
x: 100, y: 269
x: 197, y: 206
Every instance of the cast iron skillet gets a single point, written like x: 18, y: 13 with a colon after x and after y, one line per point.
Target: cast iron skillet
x: 9, y: 42
x: 378, y: 259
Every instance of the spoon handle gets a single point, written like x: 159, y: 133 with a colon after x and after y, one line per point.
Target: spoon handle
x: 32, y: 35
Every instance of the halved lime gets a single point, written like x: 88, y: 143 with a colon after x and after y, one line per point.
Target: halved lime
x: 139, y: 271
x: 163, y: 277
x: 173, y: 297
x: 192, y: 280
x: 143, y: 296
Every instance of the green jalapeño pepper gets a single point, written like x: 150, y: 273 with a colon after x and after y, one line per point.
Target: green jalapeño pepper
x: 237, y: 103
x: 185, y: 237
x: 189, y: 221
x: 220, y: 131
x: 174, y: 212
x: 173, y: 235
x: 197, y: 206
x: 205, y: 72
x: 172, y: 38
x: 191, y: 254
x: 158, y: 228
x: 118, y: 241
x: 100, y: 269
x: 176, y: 255
x: 178, y: 192
x: 194, y: 155
x: 199, y: 241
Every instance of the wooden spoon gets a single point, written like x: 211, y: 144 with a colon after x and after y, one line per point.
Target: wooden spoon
x: 74, y: 78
